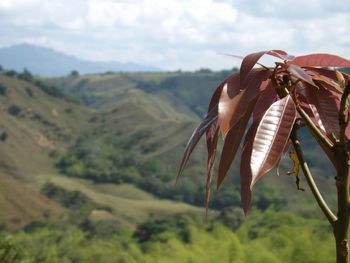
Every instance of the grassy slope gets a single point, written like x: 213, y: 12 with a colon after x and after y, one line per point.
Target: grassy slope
x: 130, y: 205
x: 25, y: 153
x: 164, y: 136
x: 19, y: 205
x: 43, y: 126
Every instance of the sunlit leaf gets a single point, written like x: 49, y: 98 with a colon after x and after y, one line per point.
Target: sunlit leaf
x: 340, y: 79
x: 323, y: 72
x: 231, y: 144
x: 294, y: 157
x: 320, y: 60
x: 329, y: 85
x: 249, y: 61
x: 234, y: 101
x: 314, y: 115
x: 271, y: 137
x: 327, y: 108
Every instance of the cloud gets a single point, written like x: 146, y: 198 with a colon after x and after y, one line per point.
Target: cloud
x: 173, y: 34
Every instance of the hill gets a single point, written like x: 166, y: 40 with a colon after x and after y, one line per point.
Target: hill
x: 47, y: 62
x: 152, y: 115
x: 37, y: 127
x: 21, y: 205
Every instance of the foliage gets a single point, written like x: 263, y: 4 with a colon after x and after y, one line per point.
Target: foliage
x: 3, y: 136
x: 10, y: 251
x: 184, y: 239
x: 297, y: 92
x: 272, y: 97
x: 69, y: 199
x: 14, y: 110
x: 3, y: 90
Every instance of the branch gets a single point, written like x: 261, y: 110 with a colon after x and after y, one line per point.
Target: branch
x: 342, y: 122
x: 317, y: 133
x: 309, y: 178
x: 319, y: 136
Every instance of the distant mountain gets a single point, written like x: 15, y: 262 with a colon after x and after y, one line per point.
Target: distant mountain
x: 48, y: 62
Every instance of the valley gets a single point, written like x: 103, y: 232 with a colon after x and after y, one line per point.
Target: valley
x: 83, y: 154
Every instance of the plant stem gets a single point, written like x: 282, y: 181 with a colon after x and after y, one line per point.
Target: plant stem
x: 341, y: 226
x: 314, y: 130
x: 342, y: 157
x: 309, y: 178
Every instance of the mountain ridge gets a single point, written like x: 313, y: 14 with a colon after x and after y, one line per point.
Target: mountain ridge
x: 47, y: 62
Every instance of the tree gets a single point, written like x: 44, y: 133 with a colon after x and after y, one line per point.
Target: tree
x: 298, y: 91
x: 74, y: 73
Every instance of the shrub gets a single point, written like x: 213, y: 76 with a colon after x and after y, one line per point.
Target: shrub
x: 3, y: 90
x: 14, y: 110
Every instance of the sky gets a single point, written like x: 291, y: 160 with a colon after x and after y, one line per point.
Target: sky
x: 177, y: 34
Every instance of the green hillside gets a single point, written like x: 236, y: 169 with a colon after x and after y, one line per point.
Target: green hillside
x: 94, y: 179
x: 152, y: 115
x: 21, y: 205
x: 38, y: 128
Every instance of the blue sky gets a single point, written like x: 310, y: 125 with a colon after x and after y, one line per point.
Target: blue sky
x: 177, y: 34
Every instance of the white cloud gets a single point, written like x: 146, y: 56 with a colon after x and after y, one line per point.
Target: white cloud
x: 175, y: 34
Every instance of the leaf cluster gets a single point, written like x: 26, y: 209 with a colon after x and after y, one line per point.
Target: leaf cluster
x: 263, y: 105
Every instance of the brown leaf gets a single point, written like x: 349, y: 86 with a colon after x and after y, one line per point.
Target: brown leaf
x: 231, y: 144
x: 320, y: 60
x: 327, y: 107
x: 234, y: 101
x: 271, y: 137
x: 301, y: 74
x: 212, y: 139
x: 249, y: 61
x: 194, y: 139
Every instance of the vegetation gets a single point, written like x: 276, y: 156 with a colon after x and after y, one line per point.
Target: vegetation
x: 181, y: 239
x: 14, y: 110
x: 281, y: 99
x: 3, y: 90
x: 107, y: 201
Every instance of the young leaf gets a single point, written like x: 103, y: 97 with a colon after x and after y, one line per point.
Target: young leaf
x: 327, y: 108
x: 330, y: 85
x: 231, y: 144
x: 212, y: 139
x: 249, y: 61
x: 301, y: 74
x: 246, y: 176
x: 267, y: 97
x: 234, y: 101
x: 271, y: 137
x: 323, y: 72
x: 320, y: 60
x: 312, y: 112
x: 194, y: 139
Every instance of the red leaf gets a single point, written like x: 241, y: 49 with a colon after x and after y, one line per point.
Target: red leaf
x: 327, y: 107
x: 312, y: 112
x: 328, y: 73
x: 272, y: 136
x: 249, y: 61
x: 267, y: 97
x: 234, y: 101
x: 262, y: 105
x: 328, y: 84
x: 194, y: 139
x: 212, y: 139
x: 246, y: 176
x: 231, y: 144
x: 320, y: 60
x: 300, y: 73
